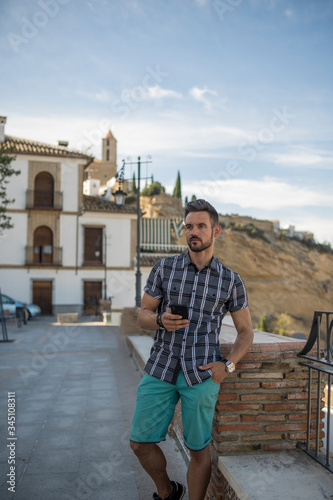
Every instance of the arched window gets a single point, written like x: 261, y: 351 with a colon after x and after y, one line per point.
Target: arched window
x: 43, y: 245
x: 44, y: 190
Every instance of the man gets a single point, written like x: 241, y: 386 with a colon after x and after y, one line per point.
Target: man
x: 185, y: 360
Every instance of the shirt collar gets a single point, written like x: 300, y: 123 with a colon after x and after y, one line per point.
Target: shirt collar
x: 213, y: 263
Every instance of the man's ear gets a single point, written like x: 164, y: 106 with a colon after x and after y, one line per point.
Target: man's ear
x: 216, y: 231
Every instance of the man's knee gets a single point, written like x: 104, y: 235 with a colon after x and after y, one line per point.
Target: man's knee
x: 141, y: 448
x: 200, y: 456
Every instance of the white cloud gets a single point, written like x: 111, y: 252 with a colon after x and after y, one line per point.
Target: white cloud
x: 158, y: 92
x: 200, y: 95
x: 288, y: 13
x: 303, y: 157
x: 266, y: 194
x: 103, y: 95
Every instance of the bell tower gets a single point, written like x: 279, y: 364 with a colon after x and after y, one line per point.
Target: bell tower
x: 109, y: 152
x: 106, y: 168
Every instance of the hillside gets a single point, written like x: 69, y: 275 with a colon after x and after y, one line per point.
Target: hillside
x: 286, y: 281
x: 281, y: 277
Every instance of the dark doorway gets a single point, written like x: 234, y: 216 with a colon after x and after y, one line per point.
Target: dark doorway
x: 92, y: 296
x: 42, y: 295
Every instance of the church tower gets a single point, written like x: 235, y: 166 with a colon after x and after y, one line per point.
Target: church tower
x: 109, y: 149
x: 109, y: 155
x: 103, y: 170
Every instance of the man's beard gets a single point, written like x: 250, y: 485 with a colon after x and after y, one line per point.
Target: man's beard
x: 200, y: 248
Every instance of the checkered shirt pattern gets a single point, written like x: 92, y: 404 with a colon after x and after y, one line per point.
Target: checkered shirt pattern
x: 209, y: 294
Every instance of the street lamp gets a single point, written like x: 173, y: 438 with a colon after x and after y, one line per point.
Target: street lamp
x: 119, y: 197
x: 138, y: 212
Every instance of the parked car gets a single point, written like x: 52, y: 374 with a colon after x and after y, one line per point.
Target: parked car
x: 33, y: 310
x: 15, y: 308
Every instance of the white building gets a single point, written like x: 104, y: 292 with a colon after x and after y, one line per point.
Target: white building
x: 66, y: 250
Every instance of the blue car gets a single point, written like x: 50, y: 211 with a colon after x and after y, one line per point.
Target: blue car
x: 33, y: 310
x: 15, y: 308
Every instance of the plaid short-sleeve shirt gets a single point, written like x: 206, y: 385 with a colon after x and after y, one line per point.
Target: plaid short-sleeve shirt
x: 209, y: 294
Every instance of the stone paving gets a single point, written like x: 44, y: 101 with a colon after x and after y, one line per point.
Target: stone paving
x: 75, y: 389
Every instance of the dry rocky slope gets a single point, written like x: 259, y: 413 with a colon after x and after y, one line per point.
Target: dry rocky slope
x: 282, y: 276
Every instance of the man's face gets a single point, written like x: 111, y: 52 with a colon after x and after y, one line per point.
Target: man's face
x: 199, y: 231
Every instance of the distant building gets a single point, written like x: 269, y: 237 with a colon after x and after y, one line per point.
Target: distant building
x: 291, y: 232
x: 66, y: 250
x: 106, y: 168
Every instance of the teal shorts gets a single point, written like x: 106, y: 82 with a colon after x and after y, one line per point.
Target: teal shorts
x: 155, y: 405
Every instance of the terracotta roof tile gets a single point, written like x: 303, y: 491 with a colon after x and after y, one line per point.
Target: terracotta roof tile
x: 97, y: 204
x: 24, y: 146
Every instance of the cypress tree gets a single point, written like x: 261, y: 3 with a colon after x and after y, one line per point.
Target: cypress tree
x: 177, y: 192
x: 133, y: 185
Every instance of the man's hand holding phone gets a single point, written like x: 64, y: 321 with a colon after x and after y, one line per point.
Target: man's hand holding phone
x: 175, y: 318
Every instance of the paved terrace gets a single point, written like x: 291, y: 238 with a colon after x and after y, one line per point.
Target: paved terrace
x: 75, y: 388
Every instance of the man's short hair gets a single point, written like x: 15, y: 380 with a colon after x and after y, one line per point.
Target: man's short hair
x: 202, y: 206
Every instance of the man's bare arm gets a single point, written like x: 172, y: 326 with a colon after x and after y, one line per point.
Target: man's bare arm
x: 243, y: 325
x: 147, y: 316
x: 244, y: 339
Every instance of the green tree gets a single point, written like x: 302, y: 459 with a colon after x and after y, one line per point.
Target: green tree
x: 133, y: 185
x: 154, y: 188
x: 177, y: 192
x: 282, y: 325
x: 6, y: 171
x: 193, y: 197
x: 263, y: 323
x: 186, y: 200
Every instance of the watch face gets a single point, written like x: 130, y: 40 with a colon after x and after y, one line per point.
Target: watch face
x: 230, y: 366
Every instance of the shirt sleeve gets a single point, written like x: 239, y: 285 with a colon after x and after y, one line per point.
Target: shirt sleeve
x: 154, y: 282
x: 238, y: 298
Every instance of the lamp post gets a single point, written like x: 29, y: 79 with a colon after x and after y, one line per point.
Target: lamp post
x: 105, y: 267
x: 98, y: 254
x: 138, y: 274
x: 138, y: 239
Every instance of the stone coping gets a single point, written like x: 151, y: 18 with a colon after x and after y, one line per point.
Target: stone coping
x: 262, y: 342
x: 287, y: 475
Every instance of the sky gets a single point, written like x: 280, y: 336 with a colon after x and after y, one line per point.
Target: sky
x: 235, y: 94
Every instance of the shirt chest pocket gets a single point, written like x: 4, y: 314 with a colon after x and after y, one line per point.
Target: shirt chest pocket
x: 215, y: 300
x: 172, y: 292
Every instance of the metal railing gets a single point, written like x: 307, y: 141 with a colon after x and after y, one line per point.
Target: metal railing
x: 324, y: 367
x: 35, y: 256
x: 163, y: 247
x: 43, y: 200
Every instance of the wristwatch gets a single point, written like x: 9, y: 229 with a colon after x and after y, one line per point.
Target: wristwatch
x: 229, y: 365
x: 159, y: 321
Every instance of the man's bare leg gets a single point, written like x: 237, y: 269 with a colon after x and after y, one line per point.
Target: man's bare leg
x: 152, y: 459
x: 198, y: 474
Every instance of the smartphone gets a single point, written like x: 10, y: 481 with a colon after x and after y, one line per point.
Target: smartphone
x: 179, y: 309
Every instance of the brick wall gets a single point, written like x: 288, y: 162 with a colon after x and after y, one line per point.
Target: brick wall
x: 262, y: 405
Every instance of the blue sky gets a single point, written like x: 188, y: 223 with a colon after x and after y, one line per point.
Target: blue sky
x: 236, y: 94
